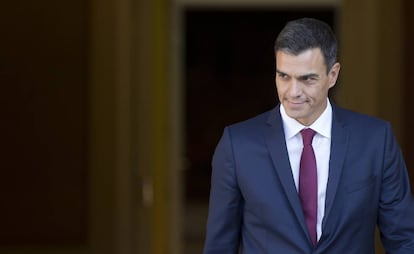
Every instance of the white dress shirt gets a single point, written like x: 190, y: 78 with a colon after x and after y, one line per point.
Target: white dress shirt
x: 322, y: 147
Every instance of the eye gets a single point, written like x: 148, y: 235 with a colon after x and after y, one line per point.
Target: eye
x: 282, y: 76
x: 309, y: 79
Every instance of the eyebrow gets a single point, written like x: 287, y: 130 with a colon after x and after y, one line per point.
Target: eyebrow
x: 281, y: 72
x: 301, y: 77
x: 307, y: 76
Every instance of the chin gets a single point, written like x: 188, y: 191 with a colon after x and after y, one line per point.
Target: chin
x: 293, y: 113
x: 294, y: 109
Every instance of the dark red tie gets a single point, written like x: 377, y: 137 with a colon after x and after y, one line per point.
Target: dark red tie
x: 308, y: 183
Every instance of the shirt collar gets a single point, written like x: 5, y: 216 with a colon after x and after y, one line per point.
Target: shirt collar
x: 322, y: 125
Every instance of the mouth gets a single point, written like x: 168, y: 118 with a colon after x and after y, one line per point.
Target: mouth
x: 295, y: 103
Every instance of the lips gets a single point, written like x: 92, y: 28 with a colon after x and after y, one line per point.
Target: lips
x: 296, y: 102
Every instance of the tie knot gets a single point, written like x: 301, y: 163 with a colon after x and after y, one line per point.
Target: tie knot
x: 307, y: 136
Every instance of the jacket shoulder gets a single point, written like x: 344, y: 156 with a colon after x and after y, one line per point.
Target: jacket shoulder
x: 357, y: 119
x: 253, y: 124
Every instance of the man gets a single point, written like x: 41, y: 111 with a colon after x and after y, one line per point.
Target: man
x: 308, y: 176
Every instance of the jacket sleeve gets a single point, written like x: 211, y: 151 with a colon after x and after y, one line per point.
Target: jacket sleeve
x: 224, y: 216
x: 396, y: 207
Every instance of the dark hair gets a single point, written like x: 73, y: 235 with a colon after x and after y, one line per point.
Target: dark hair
x: 307, y: 33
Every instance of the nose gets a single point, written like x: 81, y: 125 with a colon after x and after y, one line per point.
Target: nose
x: 295, y: 89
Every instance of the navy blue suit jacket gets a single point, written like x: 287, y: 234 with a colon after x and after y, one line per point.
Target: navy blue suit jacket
x: 254, y: 204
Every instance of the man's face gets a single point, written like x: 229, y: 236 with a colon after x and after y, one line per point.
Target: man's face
x: 302, y: 84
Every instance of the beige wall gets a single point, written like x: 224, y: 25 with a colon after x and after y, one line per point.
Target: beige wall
x: 371, y: 56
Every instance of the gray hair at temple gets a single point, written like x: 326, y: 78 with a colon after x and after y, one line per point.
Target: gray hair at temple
x: 308, y: 33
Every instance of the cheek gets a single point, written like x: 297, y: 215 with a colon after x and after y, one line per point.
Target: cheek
x: 280, y: 88
x: 318, y: 91
x: 280, y: 93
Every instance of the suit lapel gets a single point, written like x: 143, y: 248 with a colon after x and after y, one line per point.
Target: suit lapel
x: 339, y: 144
x: 276, y: 144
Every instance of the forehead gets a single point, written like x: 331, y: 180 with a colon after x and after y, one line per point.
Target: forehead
x: 308, y: 61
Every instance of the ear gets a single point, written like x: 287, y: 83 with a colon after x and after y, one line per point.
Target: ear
x: 333, y: 74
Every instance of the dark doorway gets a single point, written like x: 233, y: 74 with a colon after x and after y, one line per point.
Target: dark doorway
x: 229, y: 77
